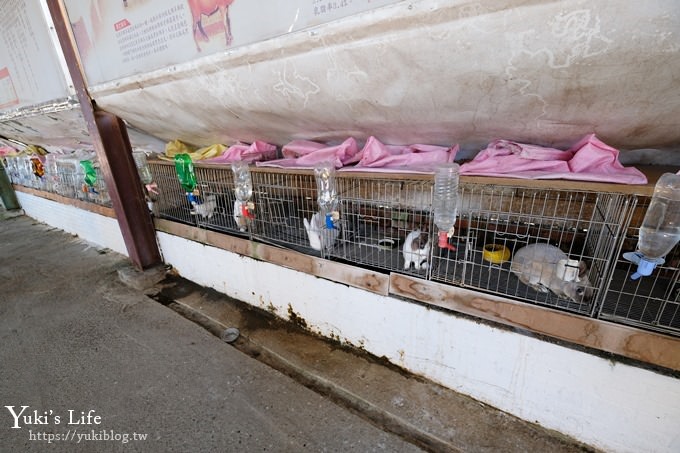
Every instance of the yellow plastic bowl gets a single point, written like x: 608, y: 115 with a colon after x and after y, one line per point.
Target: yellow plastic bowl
x: 496, y: 253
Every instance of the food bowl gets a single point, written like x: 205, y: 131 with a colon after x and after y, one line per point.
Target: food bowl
x: 496, y: 253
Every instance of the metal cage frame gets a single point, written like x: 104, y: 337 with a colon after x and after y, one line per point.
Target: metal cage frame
x: 219, y: 212
x: 378, y: 210
x: 380, y: 215
x: 651, y: 302
x: 283, y: 199
x: 495, y: 221
x: 171, y: 201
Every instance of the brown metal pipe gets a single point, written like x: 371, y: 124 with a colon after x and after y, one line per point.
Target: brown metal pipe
x: 112, y: 145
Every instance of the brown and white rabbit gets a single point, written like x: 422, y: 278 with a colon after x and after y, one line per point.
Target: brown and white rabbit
x: 416, y: 250
x: 545, y: 268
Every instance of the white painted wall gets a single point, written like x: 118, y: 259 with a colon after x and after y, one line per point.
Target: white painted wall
x: 609, y: 405
x: 92, y: 227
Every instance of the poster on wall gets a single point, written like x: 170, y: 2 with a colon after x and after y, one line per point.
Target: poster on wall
x: 30, y: 73
x: 121, y: 38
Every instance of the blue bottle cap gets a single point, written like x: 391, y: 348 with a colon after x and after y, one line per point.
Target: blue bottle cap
x: 645, y: 268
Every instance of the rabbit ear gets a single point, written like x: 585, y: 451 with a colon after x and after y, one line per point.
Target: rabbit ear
x: 582, y: 269
x: 316, y: 220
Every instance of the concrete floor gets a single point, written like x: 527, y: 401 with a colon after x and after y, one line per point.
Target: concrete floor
x: 75, y: 339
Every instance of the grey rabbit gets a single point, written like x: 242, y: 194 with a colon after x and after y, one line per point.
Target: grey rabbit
x: 546, y: 268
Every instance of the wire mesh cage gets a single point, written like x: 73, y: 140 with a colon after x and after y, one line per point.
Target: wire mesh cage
x: 219, y: 209
x: 386, y: 222
x: 564, y: 238
x: 14, y: 169
x: 69, y: 177
x: 36, y: 165
x: 52, y: 180
x: 20, y: 170
x: 171, y: 202
x: 28, y: 170
x: 284, y: 201
x: 94, y: 188
x: 652, y: 302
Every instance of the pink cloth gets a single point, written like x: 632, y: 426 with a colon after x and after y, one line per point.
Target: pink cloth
x: 5, y: 150
x: 307, y: 154
x: 588, y: 160
x: 256, y: 151
x: 376, y: 156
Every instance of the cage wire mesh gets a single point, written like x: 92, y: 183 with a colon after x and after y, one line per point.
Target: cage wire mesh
x: 171, y: 202
x: 386, y: 223
x: 378, y: 213
x: 97, y: 192
x: 20, y: 170
x: 282, y: 200
x: 652, y: 302
x: 496, y: 221
x: 29, y: 170
x: 217, y: 212
x: 14, y: 169
x: 68, y: 177
x: 37, y: 165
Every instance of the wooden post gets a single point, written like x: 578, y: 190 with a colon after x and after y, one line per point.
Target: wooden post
x: 112, y: 145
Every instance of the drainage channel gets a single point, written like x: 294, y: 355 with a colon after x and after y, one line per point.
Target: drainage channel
x: 339, y: 395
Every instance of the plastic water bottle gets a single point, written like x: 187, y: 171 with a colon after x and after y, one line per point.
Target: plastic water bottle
x: 327, y: 193
x: 446, y: 201
x: 243, y: 186
x: 142, y: 166
x: 660, y: 229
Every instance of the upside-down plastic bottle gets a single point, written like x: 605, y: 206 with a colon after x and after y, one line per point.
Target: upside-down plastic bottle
x: 660, y: 229
x: 446, y: 202
x: 327, y: 193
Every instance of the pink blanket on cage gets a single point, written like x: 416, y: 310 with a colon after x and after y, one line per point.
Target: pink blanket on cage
x: 307, y: 154
x: 588, y: 160
x: 374, y: 156
x: 417, y: 158
x: 256, y: 151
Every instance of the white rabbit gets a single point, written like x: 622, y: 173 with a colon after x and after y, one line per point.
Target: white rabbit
x: 205, y: 209
x: 320, y: 236
x: 546, y: 268
x: 416, y: 250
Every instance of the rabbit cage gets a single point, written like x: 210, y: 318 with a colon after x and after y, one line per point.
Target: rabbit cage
x: 284, y: 200
x: 27, y: 170
x: 496, y: 221
x: 380, y: 216
x: 651, y: 302
x: 219, y: 209
x: 211, y: 205
x: 64, y: 174
x: 171, y: 202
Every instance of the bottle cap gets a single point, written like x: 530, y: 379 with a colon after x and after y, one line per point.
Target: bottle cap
x: 645, y: 268
x: 443, y: 241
